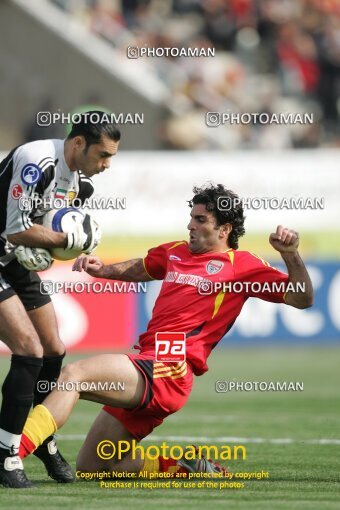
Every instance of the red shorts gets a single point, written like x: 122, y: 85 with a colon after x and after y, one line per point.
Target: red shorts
x: 167, y: 388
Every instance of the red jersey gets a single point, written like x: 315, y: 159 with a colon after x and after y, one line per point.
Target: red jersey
x: 204, y: 316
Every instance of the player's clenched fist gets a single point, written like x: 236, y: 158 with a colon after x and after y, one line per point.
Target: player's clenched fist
x: 92, y: 265
x: 284, y: 239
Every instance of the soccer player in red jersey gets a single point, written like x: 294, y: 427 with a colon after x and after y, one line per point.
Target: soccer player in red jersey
x: 192, y: 300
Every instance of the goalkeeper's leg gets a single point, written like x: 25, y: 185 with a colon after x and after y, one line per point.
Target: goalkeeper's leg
x: 18, y: 333
x: 45, y: 324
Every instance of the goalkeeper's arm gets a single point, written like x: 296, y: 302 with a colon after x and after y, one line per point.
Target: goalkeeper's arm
x: 38, y: 236
x: 84, y: 236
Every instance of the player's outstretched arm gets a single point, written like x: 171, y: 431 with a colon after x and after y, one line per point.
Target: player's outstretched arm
x: 128, y: 271
x: 286, y: 241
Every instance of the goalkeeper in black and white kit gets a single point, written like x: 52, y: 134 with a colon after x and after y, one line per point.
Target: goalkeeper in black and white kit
x: 44, y: 169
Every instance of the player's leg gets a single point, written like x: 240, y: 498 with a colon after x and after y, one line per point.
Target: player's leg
x: 41, y: 312
x: 106, y: 428
x: 117, y: 430
x: 170, y: 392
x: 167, y: 389
x: 103, y: 369
x: 109, y: 436
x: 45, y: 323
x: 107, y: 368
x: 18, y: 333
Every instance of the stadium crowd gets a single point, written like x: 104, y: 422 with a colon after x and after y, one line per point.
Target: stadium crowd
x: 271, y: 56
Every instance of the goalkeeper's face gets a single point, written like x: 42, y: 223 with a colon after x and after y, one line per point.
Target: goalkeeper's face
x: 205, y: 234
x: 96, y: 158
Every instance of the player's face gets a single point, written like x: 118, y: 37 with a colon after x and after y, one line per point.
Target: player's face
x: 205, y: 235
x: 97, y: 157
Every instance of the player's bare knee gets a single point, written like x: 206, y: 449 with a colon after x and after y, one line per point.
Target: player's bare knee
x: 53, y: 346
x: 71, y: 373
x: 28, y: 344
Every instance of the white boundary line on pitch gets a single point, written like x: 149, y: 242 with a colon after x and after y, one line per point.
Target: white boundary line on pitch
x: 224, y: 440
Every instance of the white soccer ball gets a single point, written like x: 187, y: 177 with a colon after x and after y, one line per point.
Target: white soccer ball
x: 63, y: 220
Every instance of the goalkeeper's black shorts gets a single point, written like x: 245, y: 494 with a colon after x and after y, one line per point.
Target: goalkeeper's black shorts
x: 16, y: 280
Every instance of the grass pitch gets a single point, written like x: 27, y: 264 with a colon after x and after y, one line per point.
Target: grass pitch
x: 295, y: 436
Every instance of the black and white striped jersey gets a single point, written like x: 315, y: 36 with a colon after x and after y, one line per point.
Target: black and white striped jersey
x: 35, y: 170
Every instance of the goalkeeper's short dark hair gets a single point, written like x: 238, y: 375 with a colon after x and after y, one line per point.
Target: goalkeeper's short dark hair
x: 215, y: 197
x: 92, y: 126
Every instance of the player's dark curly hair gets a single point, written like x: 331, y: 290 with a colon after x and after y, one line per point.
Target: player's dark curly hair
x: 92, y: 126
x: 221, y: 202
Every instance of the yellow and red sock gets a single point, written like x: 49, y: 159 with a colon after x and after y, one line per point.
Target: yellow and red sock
x: 39, y: 425
x: 162, y: 465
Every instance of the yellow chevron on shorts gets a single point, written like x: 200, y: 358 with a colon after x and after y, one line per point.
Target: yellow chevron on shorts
x: 172, y: 371
x: 160, y: 364
x: 161, y: 367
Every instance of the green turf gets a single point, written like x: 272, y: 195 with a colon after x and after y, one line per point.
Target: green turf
x: 302, y: 475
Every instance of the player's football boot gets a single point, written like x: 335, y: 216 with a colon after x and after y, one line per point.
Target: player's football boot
x: 201, y: 465
x: 12, y: 474
x: 55, y: 464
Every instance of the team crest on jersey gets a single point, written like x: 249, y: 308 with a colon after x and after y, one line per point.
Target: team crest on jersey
x: 30, y: 174
x: 174, y: 257
x: 16, y: 191
x: 71, y: 195
x: 214, y: 266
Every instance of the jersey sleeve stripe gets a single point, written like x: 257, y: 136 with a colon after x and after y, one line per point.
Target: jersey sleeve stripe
x: 47, y: 159
x: 231, y: 256
x: 46, y: 165
x: 8, y: 163
x: 147, y: 272
x: 218, y: 302
x: 177, y: 244
x: 86, y: 180
x: 27, y: 223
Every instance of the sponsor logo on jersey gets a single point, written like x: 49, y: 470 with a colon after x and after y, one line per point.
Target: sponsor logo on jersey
x: 30, y: 174
x: 214, y: 266
x: 184, y: 278
x: 174, y: 257
x: 64, y: 179
x: 60, y: 193
x: 170, y: 346
x: 16, y: 191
